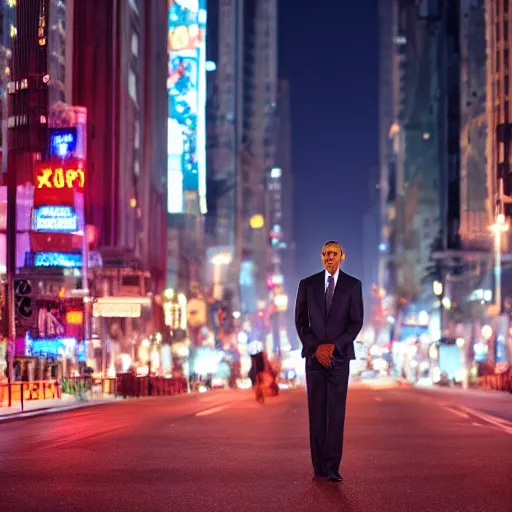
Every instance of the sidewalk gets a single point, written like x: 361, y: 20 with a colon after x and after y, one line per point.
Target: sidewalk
x: 39, y: 407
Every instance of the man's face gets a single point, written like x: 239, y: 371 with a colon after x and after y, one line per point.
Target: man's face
x: 331, y: 257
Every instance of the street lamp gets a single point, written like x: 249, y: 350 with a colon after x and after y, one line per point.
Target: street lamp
x: 438, y: 289
x: 218, y: 261
x: 500, y: 227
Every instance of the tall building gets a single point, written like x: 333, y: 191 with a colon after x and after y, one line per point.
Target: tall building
x: 371, y: 241
x: 281, y: 205
x: 244, y: 152
x: 27, y: 121
x: 284, y: 162
x: 390, y: 44
x: 499, y: 171
x: 119, y: 76
x: 420, y: 153
x: 474, y: 197
x: 36, y: 72
x: 30, y: 92
x: 186, y: 144
x: 258, y: 143
x: 498, y: 35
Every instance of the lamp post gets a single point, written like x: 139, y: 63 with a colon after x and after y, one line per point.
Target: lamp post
x: 219, y: 261
x: 438, y: 289
x: 500, y: 227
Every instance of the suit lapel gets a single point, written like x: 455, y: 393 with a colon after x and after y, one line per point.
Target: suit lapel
x: 320, y: 289
x: 338, y: 290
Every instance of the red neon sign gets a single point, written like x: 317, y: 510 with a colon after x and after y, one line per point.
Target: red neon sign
x: 75, y: 317
x: 60, y: 177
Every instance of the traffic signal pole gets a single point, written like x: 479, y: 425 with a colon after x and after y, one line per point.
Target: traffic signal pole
x: 10, y: 269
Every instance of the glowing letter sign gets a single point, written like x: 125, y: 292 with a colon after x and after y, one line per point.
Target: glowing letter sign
x: 55, y: 218
x: 57, y: 259
x: 63, y: 142
x: 186, y: 87
x: 60, y: 177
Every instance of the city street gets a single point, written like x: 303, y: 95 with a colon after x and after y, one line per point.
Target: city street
x: 222, y: 451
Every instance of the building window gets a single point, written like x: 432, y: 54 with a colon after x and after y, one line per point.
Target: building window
x: 132, y: 85
x: 505, y: 30
x: 135, y: 44
x: 506, y: 85
x: 497, y: 32
x: 498, y: 62
x: 505, y: 6
x: 506, y: 58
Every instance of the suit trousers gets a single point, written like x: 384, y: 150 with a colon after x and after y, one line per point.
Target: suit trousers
x: 327, y: 398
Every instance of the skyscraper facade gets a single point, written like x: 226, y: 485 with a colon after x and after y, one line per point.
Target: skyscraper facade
x: 116, y: 77
x: 245, y: 148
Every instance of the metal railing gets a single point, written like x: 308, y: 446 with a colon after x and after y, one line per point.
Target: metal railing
x: 125, y: 385
x: 22, y: 392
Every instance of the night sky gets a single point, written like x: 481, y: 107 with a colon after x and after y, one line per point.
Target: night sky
x: 329, y: 53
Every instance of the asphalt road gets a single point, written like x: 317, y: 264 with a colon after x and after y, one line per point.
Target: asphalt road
x: 405, y: 451
x: 495, y: 403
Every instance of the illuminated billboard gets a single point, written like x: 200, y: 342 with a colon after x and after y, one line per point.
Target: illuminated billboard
x: 63, y: 142
x: 50, y: 176
x: 186, y: 89
x: 61, y: 219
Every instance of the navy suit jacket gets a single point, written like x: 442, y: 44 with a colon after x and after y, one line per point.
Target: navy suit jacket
x: 343, y: 322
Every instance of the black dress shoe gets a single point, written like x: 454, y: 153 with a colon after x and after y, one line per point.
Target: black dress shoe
x: 335, y: 477
x: 319, y: 478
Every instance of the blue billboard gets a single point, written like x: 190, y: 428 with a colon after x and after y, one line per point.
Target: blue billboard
x: 186, y: 89
x: 63, y: 142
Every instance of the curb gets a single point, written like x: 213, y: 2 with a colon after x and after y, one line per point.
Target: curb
x: 15, y: 416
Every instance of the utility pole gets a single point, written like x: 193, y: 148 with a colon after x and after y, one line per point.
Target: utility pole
x: 85, y: 289
x: 10, y: 268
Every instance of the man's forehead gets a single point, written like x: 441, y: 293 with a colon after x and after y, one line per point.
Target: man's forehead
x: 331, y: 247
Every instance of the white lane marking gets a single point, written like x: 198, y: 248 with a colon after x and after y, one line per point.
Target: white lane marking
x: 378, y: 398
x: 213, y: 410
x: 497, y: 422
x: 458, y: 413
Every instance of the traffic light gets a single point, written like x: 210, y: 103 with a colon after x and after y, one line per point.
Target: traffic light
x: 23, y: 304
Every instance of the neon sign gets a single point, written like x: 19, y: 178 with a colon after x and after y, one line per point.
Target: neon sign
x: 48, y: 177
x: 75, y: 317
x: 63, y: 142
x: 55, y: 218
x: 57, y: 259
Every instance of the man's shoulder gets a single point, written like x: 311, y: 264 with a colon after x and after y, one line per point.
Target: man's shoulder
x: 312, y: 277
x: 350, y: 279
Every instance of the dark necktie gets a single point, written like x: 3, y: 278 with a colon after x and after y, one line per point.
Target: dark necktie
x: 329, y: 293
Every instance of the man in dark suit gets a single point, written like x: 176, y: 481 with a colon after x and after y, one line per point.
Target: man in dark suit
x: 328, y: 318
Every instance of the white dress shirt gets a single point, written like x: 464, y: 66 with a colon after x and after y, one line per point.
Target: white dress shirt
x: 336, y: 275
